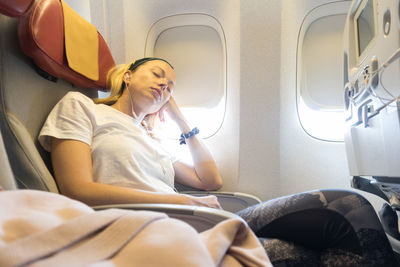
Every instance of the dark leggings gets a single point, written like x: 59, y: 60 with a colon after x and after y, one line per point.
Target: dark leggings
x: 320, y: 228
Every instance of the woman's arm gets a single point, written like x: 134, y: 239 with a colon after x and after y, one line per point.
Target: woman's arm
x: 204, y: 174
x: 72, y: 164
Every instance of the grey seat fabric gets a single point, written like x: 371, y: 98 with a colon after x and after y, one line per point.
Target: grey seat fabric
x: 25, y: 101
x: 6, y: 177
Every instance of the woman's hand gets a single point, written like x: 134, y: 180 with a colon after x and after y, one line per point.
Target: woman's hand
x: 174, y: 113
x: 173, y: 109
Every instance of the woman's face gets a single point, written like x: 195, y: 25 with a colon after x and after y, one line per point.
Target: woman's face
x: 151, y: 85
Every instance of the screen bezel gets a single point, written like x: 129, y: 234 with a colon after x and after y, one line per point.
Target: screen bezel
x: 360, y: 56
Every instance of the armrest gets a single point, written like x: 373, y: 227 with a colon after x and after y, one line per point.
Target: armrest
x: 230, y: 201
x: 200, y: 218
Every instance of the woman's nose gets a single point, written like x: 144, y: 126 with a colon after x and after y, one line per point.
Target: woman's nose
x: 163, y: 84
x: 163, y: 88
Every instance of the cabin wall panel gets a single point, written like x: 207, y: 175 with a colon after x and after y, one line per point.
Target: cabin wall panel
x: 259, y: 94
x: 110, y: 19
x: 317, y: 164
x: 81, y: 7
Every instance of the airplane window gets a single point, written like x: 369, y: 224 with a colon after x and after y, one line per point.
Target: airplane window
x: 320, y: 103
x: 195, y: 45
x: 322, y: 124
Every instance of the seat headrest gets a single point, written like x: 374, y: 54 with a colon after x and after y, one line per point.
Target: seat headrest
x: 41, y: 34
x: 15, y: 8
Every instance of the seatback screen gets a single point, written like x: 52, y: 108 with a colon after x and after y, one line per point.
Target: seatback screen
x: 365, y: 22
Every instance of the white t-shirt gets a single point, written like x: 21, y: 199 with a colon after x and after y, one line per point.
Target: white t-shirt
x: 123, y: 153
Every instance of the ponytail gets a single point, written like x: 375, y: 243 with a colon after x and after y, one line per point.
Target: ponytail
x: 115, y: 83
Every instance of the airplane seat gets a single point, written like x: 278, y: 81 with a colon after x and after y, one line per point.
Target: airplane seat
x: 46, y: 34
x: 26, y: 98
x: 372, y: 105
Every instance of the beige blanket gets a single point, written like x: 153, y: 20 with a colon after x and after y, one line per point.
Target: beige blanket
x: 45, y: 229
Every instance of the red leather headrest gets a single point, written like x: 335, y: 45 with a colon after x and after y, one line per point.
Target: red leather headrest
x: 41, y: 36
x: 15, y: 8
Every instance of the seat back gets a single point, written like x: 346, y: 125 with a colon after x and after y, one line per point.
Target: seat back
x: 26, y: 99
x: 43, y: 36
x: 15, y: 8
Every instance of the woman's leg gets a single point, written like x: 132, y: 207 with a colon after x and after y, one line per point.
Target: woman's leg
x: 331, y: 222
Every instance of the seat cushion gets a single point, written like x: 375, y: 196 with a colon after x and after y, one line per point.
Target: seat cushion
x: 15, y: 8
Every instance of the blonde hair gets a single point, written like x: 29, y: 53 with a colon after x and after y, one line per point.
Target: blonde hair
x: 115, y: 84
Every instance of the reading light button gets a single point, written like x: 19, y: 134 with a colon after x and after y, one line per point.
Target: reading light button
x: 386, y: 22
